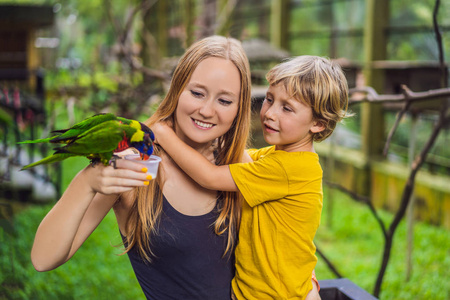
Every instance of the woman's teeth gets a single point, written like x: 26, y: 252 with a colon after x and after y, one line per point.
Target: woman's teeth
x: 204, y: 125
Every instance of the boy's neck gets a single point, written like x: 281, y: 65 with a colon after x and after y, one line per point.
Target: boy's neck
x: 306, y: 147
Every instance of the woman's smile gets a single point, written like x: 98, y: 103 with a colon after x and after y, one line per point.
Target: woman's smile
x: 202, y: 125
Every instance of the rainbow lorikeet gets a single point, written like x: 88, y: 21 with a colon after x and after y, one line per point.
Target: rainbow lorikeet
x: 98, y: 138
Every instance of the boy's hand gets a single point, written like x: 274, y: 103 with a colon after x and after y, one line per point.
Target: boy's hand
x: 160, y: 128
x: 314, y: 293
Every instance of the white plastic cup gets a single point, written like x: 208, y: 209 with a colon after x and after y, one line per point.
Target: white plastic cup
x: 152, y: 163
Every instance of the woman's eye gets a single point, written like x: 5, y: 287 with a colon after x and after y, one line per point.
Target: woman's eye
x: 196, y: 94
x: 225, y: 102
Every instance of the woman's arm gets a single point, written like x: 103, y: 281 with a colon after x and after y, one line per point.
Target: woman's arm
x: 86, y: 201
x: 192, y: 162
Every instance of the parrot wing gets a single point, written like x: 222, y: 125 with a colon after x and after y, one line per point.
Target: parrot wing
x: 98, y: 142
x: 66, y: 135
x: 69, y: 134
x: 103, y: 138
x: 49, y: 159
x: 46, y: 140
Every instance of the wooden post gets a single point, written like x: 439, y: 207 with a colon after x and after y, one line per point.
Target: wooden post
x: 155, y: 35
x: 377, y: 20
x: 223, y: 20
x: 189, y: 18
x: 279, y: 26
x: 209, y: 16
x: 32, y: 58
x: 150, y: 53
x: 330, y: 166
x: 161, y: 8
x: 333, y: 37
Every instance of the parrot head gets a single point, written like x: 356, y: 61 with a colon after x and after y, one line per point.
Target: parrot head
x: 145, y: 147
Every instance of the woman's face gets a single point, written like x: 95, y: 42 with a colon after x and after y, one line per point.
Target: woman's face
x: 209, y: 103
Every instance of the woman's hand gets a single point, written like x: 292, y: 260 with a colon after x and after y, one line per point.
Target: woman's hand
x: 107, y: 180
x: 86, y: 201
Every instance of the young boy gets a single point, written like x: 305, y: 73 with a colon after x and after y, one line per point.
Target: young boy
x: 282, y: 187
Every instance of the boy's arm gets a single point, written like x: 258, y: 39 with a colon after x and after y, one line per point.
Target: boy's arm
x: 192, y: 162
x: 246, y: 157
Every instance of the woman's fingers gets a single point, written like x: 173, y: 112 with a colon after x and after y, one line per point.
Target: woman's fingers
x: 130, y: 165
x: 108, y: 180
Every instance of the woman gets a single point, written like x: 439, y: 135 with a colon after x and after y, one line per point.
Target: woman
x: 166, y: 222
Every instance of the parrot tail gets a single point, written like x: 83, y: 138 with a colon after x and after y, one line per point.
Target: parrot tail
x: 37, y: 141
x: 49, y: 159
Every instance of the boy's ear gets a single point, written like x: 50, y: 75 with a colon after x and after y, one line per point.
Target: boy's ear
x: 318, y: 126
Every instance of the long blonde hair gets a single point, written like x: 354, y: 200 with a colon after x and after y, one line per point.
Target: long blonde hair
x: 144, y: 216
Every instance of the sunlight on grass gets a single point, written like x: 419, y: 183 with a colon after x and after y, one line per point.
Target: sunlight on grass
x: 355, y: 245
x: 95, y: 272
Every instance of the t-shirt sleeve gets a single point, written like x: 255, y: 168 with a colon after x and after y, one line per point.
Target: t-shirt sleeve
x: 254, y: 153
x: 260, y: 181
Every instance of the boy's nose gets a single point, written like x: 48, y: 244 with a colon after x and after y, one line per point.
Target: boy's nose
x: 270, y: 114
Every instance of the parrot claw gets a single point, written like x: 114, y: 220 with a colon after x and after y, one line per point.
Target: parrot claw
x: 113, y: 160
x: 94, y: 163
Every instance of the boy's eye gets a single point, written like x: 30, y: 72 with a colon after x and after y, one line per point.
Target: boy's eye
x: 268, y: 100
x: 196, y: 94
x: 287, y: 108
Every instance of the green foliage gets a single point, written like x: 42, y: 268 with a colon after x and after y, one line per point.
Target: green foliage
x: 354, y: 243
x: 95, y: 272
x: 311, y: 24
x: 438, y: 157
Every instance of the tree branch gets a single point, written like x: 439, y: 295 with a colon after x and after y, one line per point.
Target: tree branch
x: 328, y: 263
x: 122, y: 38
x: 398, y: 119
x: 437, y: 32
x: 142, y: 8
x: 406, y: 196
x: 363, y: 199
x: 373, y: 96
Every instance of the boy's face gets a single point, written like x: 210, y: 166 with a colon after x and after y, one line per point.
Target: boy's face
x: 287, y: 123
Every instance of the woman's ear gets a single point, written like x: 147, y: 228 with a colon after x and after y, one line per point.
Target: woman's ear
x: 318, y: 126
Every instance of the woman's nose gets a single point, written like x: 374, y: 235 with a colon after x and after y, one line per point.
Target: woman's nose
x: 207, y: 109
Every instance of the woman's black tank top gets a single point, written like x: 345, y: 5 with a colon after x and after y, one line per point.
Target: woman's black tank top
x: 189, y: 262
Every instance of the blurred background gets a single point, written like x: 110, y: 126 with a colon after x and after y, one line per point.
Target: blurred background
x: 62, y: 61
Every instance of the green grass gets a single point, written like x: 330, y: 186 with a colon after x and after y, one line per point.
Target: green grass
x: 95, y: 272
x: 354, y: 243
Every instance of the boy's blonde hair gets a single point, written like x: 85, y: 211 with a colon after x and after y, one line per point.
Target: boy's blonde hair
x: 317, y: 82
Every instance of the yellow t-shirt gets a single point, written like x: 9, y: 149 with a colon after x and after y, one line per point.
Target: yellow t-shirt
x: 275, y: 255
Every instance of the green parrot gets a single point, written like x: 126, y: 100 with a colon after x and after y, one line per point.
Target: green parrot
x: 97, y: 138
